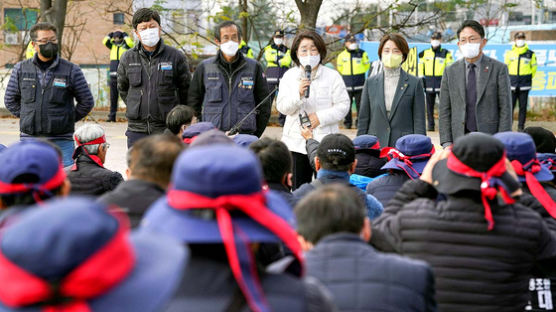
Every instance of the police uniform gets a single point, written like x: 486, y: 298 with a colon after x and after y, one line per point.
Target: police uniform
x: 522, y: 66
x: 116, y: 51
x: 432, y: 63
x: 246, y: 50
x: 353, y: 65
x: 278, y: 61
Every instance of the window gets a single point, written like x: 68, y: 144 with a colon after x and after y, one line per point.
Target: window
x: 119, y: 18
x: 20, y: 19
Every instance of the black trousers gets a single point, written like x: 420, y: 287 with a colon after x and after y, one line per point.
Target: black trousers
x: 302, y: 170
x: 357, y: 95
x: 523, y: 97
x: 431, y: 98
x: 113, y: 98
x: 133, y: 137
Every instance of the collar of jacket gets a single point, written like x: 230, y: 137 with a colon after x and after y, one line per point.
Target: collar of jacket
x: 52, y: 66
x: 325, y: 174
x: 157, y: 51
x: 282, y: 47
x: 340, y: 236
x: 314, y: 75
x: 230, y: 67
x: 520, y: 50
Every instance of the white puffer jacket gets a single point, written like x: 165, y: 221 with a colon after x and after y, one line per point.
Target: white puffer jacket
x: 328, y: 98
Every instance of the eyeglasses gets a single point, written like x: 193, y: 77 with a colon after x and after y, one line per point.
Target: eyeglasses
x: 45, y: 41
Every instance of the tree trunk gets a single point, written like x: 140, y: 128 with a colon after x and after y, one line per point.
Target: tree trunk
x: 309, y: 11
x: 54, y: 14
x: 244, y: 25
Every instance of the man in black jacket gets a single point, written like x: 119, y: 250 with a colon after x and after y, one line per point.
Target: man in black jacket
x: 334, y: 228
x: 481, y: 244
x: 226, y: 87
x: 42, y: 90
x: 88, y: 176
x: 152, y: 78
x: 150, y: 164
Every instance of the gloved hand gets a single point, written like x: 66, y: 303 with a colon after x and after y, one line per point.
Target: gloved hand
x: 125, y: 35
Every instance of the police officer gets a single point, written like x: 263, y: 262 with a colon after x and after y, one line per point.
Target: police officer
x: 246, y: 50
x: 278, y: 61
x: 432, y: 63
x: 352, y: 64
x: 522, y: 66
x: 118, y: 42
x: 41, y: 92
x: 152, y: 78
x: 226, y: 87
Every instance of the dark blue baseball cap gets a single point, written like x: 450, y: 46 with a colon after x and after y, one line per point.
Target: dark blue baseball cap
x: 213, y: 171
x: 366, y: 142
x: 196, y: 129
x: 521, y: 147
x: 549, y: 160
x: 52, y: 243
x: 244, y: 140
x: 417, y: 147
x: 30, y: 157
x: 2, y: 147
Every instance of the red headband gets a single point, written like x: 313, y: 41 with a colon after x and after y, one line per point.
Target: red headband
x: 490, y: 184
x: 254, y: 207
x: 528, y: 170
x: 390, y: 153
x: 93, y: 277
x: 80, y: 148
x: 36, y: 189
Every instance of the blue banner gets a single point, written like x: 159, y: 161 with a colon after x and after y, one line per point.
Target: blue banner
x: 544, y: 82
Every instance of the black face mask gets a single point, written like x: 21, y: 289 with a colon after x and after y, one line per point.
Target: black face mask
x: 48, y: 50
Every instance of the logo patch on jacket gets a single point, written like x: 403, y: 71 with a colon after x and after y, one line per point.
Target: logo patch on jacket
x: 60, y: 82
x: 247, y: 82
x: 165, y: 66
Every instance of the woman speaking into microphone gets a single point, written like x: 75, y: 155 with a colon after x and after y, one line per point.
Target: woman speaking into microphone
x: 309, y: 92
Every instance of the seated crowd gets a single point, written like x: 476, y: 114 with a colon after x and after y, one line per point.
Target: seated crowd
x: 215, y: 225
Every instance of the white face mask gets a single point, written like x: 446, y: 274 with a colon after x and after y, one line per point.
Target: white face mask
x: 435, y: 43
x: 353, y: 46
x: 150, y: 37
x: 312, y: 60
x: 470, y: 50
x: 278, y: 41
x: 519, y: 43
x: 229, y: 48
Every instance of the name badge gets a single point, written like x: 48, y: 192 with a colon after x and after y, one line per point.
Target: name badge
x: 247, y: 82
x: 165, y: 66
x: 60, y: 82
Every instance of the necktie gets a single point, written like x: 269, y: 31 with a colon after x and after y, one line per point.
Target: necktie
x: 471, y: 100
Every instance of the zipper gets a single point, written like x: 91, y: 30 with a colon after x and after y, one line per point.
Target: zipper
x: 351, y: 68
x: 230, y: 88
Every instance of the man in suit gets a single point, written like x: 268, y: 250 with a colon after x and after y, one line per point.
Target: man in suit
x: 480, y: 99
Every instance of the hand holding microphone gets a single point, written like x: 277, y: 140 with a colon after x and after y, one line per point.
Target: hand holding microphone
x: 305, y: 83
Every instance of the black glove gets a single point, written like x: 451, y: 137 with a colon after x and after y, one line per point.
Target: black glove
x: 125, y: 35
x: 111, y: 34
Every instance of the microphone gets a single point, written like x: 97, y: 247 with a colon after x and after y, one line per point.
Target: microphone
x: 308, y: 76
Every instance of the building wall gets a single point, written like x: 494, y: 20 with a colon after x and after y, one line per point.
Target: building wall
x: 87, y: 22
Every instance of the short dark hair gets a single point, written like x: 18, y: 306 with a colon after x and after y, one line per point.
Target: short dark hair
x: 519, y: 34
x: 144, y: 15
x: 330, y: 209
x: 275, y: 158
x: 398, y: 40
x: 311, y: 35
x: 224, y: 25
x: 476, y: 26
x: 41, y: 26
x: 179, y: 115
x: 152, y: 158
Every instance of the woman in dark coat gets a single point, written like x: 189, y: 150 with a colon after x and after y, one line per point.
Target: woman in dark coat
x: 393, y: 102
